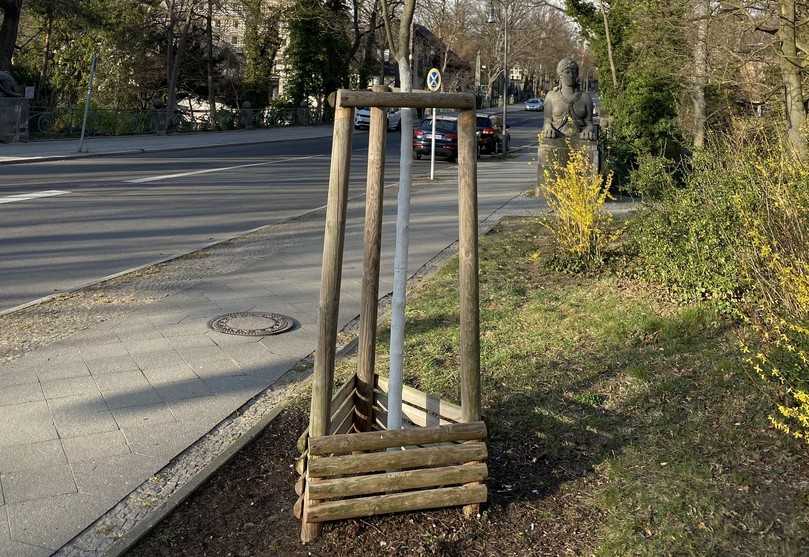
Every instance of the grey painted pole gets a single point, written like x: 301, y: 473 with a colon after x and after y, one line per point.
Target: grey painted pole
x: 87, y: 101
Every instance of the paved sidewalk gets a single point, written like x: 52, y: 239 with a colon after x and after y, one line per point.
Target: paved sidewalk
x: 90, y: 418
x: 60, y: 149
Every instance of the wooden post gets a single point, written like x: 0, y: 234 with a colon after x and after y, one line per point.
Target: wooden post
x: 366, y: 360
x: 468, y: 266
x: 468, y: 274
x: 320, y: 414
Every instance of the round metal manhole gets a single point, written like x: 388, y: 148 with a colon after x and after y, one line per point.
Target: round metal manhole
x: 252, y: 323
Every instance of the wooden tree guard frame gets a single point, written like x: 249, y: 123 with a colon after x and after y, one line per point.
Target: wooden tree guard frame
x: 347, y: 468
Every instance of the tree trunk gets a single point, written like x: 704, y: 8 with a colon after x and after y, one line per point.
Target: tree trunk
x: 701, y: 10
x: 174, y: 71
x: 211, y: 98
x: 12, y: 9
x: 370, y: 41
x: 608, y: 38
x: 791, y: 75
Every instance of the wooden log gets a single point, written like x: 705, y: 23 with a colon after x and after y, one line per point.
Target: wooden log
x: 297, y: 508
x: 331, y: 273
x: 468, y: 266
x: 339, y: 415
x: 344, y: 426
x: 345, y: 391
x: 300, y: 464
x: 374, y: 441
x: 303, y: 441
x: 397, y: 481
x: 430, y: 402
x: 398, y: 502
x: 417, y: 416
x: 459, y: 101
x: 372, y: 239
x: 300, y: 485
x: 330, y: 466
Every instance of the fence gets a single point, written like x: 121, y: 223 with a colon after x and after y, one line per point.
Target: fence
x: 59, y: 122
x: 13, y: 120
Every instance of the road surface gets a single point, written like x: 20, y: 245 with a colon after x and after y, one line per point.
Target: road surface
x: 65, y: 224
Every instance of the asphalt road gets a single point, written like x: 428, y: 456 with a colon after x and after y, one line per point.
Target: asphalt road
x: 68, y: 223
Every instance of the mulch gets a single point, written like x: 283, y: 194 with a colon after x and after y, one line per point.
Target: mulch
x: 245, y: 510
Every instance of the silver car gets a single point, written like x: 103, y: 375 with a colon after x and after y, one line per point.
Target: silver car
x: 534, y: 105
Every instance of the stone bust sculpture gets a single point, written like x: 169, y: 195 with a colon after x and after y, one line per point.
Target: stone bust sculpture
x: 8, y: 85
x: 568, y: 109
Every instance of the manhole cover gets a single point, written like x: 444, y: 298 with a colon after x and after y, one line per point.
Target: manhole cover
x: 252, y: 323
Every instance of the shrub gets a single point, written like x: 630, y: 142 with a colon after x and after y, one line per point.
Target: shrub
x: 576, y: 195
x: 738, y: 232
x: 652, y: 178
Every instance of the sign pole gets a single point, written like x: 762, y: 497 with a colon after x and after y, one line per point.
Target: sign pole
x: 87, y: 101
x: 433, y: 84
x: 432, y: 152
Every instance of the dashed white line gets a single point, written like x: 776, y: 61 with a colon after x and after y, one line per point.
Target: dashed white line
x: 29, y: 196
x: 209, y: 170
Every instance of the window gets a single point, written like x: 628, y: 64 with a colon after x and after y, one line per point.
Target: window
x: 234, y: 40
x: 236, y: 24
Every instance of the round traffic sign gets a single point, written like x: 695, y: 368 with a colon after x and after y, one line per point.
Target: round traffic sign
x: 434, y: 80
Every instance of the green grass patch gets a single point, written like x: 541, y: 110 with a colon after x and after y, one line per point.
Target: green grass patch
x: 600, y: 396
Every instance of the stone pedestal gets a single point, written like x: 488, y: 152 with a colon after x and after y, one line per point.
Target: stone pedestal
x: 14, y: 119
x: 556, y: 151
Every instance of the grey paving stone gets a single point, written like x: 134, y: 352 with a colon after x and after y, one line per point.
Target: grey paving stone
x: 158, y: 360
x: 106, y: 350
x: 170, y: 374
x: 18, y: 372
x: 116, y: 476
x: 274, y: 371
x: 249, y: 354
x: 18, y: 394
x: 10, y: 548
x: 75, y: 386
x: 245, y: 385
x: 113, y: 364
x: 191, y: 328
x: 37, y: 483
x: 81, y: 415
x: 143, y: 416
x: 32, y: 455
x: 129, y: 388
x: 54, y: 521
x: 199, y: 340
x: 62, y: 369
x: 26, y: 423
x: 181, y: 390
x: 95, y: 446
x: 165, y: 442
x: 204, y: 413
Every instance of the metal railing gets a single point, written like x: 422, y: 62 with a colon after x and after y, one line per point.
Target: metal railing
x: 62, y: 122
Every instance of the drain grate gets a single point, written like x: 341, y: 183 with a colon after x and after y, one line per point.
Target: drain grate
x: 252, y: 323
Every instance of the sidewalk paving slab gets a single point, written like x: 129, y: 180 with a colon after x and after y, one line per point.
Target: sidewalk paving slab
x: 65, y: 149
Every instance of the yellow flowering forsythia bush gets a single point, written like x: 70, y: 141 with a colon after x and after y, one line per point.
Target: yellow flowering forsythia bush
x: 576, y: 195
x: 776, y: 221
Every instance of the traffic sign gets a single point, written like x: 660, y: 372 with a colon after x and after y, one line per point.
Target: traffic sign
x: 434, y: 80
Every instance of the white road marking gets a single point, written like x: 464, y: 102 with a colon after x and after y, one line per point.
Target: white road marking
x: 34, y: 195
x: 209, y: 170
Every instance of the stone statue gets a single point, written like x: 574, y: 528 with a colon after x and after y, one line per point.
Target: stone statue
x: 568, y: 109
x: 8, y: 85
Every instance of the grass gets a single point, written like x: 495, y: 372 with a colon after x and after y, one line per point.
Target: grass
x: 610, y: 407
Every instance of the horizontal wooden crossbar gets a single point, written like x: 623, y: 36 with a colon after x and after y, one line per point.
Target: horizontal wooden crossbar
x: 378, y: 440
x: 331, y: 466
x: 397, y: 502
x: 432, y: 403
x: 397, y: 481
x: 459, y: 101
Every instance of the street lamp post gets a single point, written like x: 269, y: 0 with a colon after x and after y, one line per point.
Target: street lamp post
x: 493, y: 19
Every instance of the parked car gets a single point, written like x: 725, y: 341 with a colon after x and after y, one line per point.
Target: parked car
x: 446, y: 137
x: 490, y: 134
x: 535, y: 105
x: 362, y: 118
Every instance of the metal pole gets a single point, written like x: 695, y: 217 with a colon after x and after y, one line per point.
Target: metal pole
x: 505, y: 75
x: 87, y: 101
x: 432, y: 151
